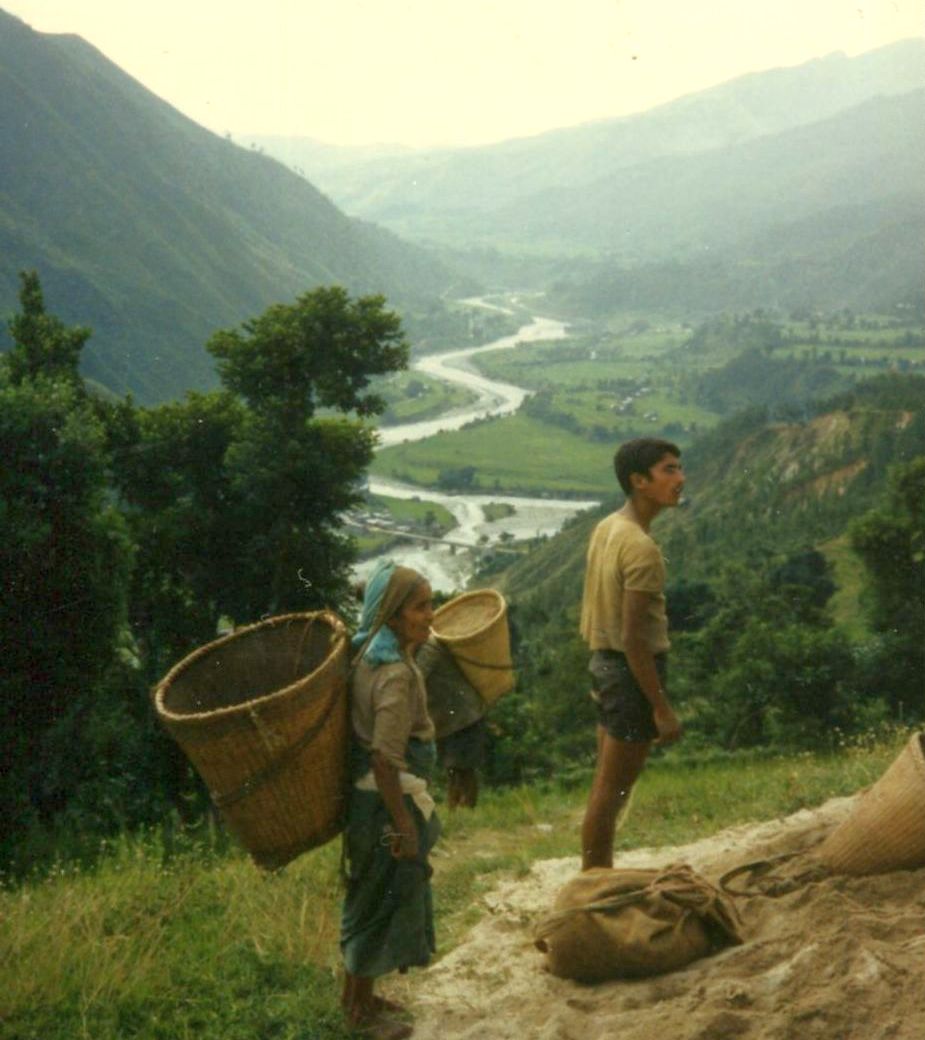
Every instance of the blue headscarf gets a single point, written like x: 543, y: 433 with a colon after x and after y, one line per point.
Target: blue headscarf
x: 383, y: 647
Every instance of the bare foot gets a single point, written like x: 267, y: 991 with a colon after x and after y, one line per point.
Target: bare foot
x: 380, y: 1027
x: 391, y: 1007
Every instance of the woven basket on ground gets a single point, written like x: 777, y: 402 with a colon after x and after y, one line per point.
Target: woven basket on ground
x: 886, y: 829
x: 262, y: 716
x: 474, y: 628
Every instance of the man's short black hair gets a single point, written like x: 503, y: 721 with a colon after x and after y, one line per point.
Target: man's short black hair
x: 639, y: 456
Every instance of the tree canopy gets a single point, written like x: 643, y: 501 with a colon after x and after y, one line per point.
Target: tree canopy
x: 132, y: 534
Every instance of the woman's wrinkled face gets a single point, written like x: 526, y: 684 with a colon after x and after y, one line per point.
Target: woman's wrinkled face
x: 411, y: 624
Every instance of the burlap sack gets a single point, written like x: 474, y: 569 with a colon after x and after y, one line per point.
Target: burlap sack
x: 609, y: 924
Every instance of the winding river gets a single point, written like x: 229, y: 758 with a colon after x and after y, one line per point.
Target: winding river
x: 449, y: 567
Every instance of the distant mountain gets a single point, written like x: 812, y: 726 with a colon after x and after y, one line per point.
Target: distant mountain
x: 674, y: 207
x: 522, y: 193
x: 154, y: 231
x: 865, y: 256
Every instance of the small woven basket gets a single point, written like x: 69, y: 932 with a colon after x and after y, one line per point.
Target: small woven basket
x: 262, y: 715
x: 886, y: 829
x: 474, y: 628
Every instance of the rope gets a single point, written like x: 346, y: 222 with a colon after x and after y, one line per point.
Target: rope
x: 273, y: 767
x: 678, y: 887
x: 509, y: 667
x: 298, y: 655
x: 759, y: 880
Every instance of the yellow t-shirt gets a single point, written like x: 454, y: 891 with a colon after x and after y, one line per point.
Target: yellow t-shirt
x: 622, y: 557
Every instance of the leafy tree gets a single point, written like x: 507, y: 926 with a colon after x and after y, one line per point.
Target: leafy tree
x: 805, y: 576
x: 767, y: 667
x: 320, y: 351
x: 456, y: 478
x: 289, y: 497
x: 170, y: 471
x: 64, y: 557
x: 781, y: 685
x: 891, y: 541
x: 235, y: 497
x: 42, y: 345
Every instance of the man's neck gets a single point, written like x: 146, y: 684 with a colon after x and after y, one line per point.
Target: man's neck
x: 641, y: 511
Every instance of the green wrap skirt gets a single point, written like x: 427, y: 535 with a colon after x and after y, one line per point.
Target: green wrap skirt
x: 387, y: 923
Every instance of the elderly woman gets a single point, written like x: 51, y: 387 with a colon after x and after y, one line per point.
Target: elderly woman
x: 387, y: 920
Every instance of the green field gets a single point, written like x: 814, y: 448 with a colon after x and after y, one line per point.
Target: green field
x: 591, y: 393
x: 414, y: 510
x: 187, y: 940
x: 415, y: 397
x: 515, y: 453
x: 584, y: 360
x: 427, y: 517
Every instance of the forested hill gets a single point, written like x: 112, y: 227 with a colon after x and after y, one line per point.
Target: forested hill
x: 153, y: 231
x: 757, y: 489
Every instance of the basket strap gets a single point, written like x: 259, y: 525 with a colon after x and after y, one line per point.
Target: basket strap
x: 760, y: 881
x: 305, y: 634
x: 275, y: 765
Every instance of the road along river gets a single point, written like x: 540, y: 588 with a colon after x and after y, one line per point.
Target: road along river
x: 449, y: 567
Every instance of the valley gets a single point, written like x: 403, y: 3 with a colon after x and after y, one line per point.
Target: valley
x: 234, y: 376
x: 560, y: 398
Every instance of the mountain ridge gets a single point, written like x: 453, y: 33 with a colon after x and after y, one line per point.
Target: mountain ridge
x: 480, y: 179
x: 154, y: 231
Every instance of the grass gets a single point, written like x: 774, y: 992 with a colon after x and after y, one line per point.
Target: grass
x: 536, y: 457
x: 576, y: 363
x: 851, y: 577
x: 430, y: 517
x: 146, y: 946
x: 415, y: 397
x: 414, y: 510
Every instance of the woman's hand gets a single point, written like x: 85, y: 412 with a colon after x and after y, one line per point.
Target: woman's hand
x: 403, y: 838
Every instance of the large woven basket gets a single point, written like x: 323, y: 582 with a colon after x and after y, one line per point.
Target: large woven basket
x: 886, y: 829
x: 262, y: 716
x: 474, y: 628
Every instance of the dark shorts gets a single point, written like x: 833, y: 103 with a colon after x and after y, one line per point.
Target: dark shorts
x: 622, y: 708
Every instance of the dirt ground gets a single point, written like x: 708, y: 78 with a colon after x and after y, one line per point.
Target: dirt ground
x: 838, y: 959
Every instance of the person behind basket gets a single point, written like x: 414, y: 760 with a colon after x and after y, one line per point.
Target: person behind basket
x: 387, y: 920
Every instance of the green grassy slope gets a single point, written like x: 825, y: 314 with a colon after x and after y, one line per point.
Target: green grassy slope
x: 128, y: 949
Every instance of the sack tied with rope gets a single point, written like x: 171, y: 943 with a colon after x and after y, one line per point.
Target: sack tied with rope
x: 615, y: 923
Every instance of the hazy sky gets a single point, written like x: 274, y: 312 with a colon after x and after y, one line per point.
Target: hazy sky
x: 432, y: 72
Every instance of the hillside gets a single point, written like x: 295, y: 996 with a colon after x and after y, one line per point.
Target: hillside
x: 681, y: 207
x: 864, y: 256
x: 154, y: 231
x: 478, y: 195
x: 756, y: 488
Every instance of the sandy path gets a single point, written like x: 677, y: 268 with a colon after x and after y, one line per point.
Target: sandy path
x: 840, y: 959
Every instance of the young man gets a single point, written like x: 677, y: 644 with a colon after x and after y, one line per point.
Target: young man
x: 624, y: 623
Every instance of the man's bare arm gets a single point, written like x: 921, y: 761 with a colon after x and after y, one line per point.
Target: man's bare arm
x: 641, y: 660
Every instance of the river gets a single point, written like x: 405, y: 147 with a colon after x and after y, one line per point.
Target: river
x: 450, y: 567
